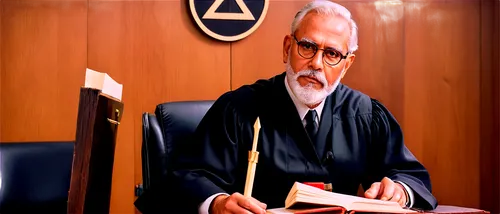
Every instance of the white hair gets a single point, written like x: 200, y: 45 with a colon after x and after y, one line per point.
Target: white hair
x: 326, y: 7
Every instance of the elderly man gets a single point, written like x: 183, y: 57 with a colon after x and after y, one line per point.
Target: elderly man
x: 313, y: 129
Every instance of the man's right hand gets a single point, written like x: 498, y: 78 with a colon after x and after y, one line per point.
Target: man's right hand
x: 236, y: 203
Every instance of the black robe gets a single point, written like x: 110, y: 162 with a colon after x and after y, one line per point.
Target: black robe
x: 361, y: 142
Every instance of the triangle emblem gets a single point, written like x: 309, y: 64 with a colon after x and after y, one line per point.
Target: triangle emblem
x: 245, y: 15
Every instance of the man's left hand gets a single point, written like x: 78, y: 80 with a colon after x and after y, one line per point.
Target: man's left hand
x: 387, y: 190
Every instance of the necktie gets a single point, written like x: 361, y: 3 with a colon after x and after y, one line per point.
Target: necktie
x: 311, y: 125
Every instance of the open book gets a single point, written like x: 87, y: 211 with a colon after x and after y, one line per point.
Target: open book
x: 303, y: 198
x: 103, y: 82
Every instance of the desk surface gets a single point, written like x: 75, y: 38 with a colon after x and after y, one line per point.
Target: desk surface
x: 446, y: 209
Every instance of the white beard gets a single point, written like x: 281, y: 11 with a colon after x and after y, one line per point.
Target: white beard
x: 308, y: 94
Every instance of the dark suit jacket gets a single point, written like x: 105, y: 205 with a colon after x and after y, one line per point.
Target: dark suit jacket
x: 362, y: 138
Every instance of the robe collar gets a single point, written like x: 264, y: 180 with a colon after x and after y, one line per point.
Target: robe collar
x: 302, y: 108
x: 286, y: 111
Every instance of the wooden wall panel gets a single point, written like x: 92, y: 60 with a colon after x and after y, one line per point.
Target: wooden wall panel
x: 377, y: 68
x: 43, y: 65
x: 158, y: 54
x: 496, y: 119
x: 442, y: 76
x: 490, y: 117
x: 259, y: 56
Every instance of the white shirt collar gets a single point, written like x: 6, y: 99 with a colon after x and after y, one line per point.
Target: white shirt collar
x: 302, y: 109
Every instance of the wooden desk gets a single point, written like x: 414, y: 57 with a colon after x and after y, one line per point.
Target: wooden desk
x: 446, y: 209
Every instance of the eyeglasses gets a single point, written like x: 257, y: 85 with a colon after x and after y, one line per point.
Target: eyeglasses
x: 308, y: 50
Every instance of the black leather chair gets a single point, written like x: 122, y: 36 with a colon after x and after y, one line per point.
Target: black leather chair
x: 35, y: 177
x: 171, y: 125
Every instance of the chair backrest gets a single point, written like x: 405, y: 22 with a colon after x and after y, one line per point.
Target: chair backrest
x: 35, y: 177
x: 172, y: 123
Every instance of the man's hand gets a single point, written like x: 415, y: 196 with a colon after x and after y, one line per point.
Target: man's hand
x: 236, y: 203
x: 387, y: 190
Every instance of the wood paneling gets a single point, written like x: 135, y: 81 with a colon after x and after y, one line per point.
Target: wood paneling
x: 43, y: 65
x: 377, y: 69
x: 260, y: 54
x: 157, y: 53
x: 490, y: 117
x: 442, y: 77
x: 495, y: 200
x: 496, y: 64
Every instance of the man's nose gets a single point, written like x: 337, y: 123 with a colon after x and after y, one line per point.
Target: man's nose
x: 317, y: 61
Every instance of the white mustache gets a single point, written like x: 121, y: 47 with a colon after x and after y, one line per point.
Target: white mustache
x: 320, y: 76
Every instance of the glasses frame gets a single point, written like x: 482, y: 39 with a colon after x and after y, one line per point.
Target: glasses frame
x: 316, y: 51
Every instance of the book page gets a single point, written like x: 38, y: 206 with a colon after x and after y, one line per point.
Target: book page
x: 112, y: 88
x: 304, y: 193
x: 301, y: 194
x: 103, y: 82
x: 318, y: 210
x: 93, y: 79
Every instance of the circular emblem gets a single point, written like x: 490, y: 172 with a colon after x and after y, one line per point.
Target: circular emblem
x: 228, y: 20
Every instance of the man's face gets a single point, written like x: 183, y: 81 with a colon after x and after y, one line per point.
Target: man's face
x: 311, y: 78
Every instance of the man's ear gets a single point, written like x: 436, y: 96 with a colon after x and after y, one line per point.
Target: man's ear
x: 348, y: 62
x: 286, y: 47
